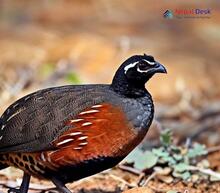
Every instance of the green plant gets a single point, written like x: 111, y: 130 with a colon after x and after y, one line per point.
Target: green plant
x: 186, y: 163
x: 46, y: 69
x: 72, y: 78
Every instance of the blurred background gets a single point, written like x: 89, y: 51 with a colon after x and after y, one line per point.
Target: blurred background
x: 49, y: 43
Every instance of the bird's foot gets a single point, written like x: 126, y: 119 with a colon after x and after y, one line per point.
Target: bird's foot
x: 14, y: 190
x: 24, y: 185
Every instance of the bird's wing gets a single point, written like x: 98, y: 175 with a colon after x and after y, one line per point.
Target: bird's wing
x: 34, y: 121
x: 99, y: 131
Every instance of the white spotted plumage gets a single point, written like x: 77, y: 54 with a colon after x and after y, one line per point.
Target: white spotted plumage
x: 13, y: 115
x: 86, y: 124
x: 83, y: 143
x: 64, y: 141
x: 2, y: 128
x: 77, y: 148
x: 88, y: 112
x: 97, y: 106
x: 75, y: 133
x: 15, y: 105
x: 39, y: 98
x: 42, y: 156
x: 83, y: 137
x: 76, y: 120
x: 38, y: 169
x: 26, y: 98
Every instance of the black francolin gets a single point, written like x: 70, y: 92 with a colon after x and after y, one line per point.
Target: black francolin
x: 70, y: 132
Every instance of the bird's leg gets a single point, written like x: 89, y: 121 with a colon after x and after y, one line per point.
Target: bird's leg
x: 60, y: 186
x: 24, y: 185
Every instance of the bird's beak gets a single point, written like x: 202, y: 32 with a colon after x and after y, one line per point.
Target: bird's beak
x: 159, y: 68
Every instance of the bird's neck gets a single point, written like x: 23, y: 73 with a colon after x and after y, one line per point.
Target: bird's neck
x: 121, y: 85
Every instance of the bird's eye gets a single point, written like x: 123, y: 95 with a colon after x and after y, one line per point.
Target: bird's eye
x: 143, y: 66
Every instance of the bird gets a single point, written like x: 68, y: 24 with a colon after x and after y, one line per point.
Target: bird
x: 70, y: 132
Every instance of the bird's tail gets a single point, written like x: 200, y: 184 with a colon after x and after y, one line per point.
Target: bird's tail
x: 3, y: 165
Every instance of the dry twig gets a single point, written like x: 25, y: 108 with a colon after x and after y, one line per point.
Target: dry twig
x: 130, y: 169
x: 213, y: 149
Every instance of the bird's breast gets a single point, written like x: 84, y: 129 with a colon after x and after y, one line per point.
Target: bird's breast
x: 139, y: 112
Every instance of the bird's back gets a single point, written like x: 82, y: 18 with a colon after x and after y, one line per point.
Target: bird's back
x: 32, y: 122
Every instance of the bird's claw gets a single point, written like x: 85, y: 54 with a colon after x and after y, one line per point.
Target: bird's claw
x: 14, y: 190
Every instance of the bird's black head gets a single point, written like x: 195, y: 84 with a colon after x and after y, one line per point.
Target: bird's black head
x: 133, y: 73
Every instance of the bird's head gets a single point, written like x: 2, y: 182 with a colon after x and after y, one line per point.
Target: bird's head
x: 141, y: 68
x: 136, y: 71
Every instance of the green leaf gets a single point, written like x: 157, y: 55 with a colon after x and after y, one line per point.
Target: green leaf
x: 47, y: 69
x: 134, y: 156
x: 177, y: 157
x: 175, y: 149
x: 160, y: 152
x: 142, y: 160
x: 169, y: 160
x: 172, y: 191
x: 151, y: 159
x: 72, y: 78
x: 184, y: 175
x: 176, y: 174
x: 166, y: 137
x: 181, y: 167
x: 197, y: 150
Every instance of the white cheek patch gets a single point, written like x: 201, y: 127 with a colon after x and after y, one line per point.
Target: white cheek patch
x: 142, y: 71
x: 151, y: 63
x: 132, y: 65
